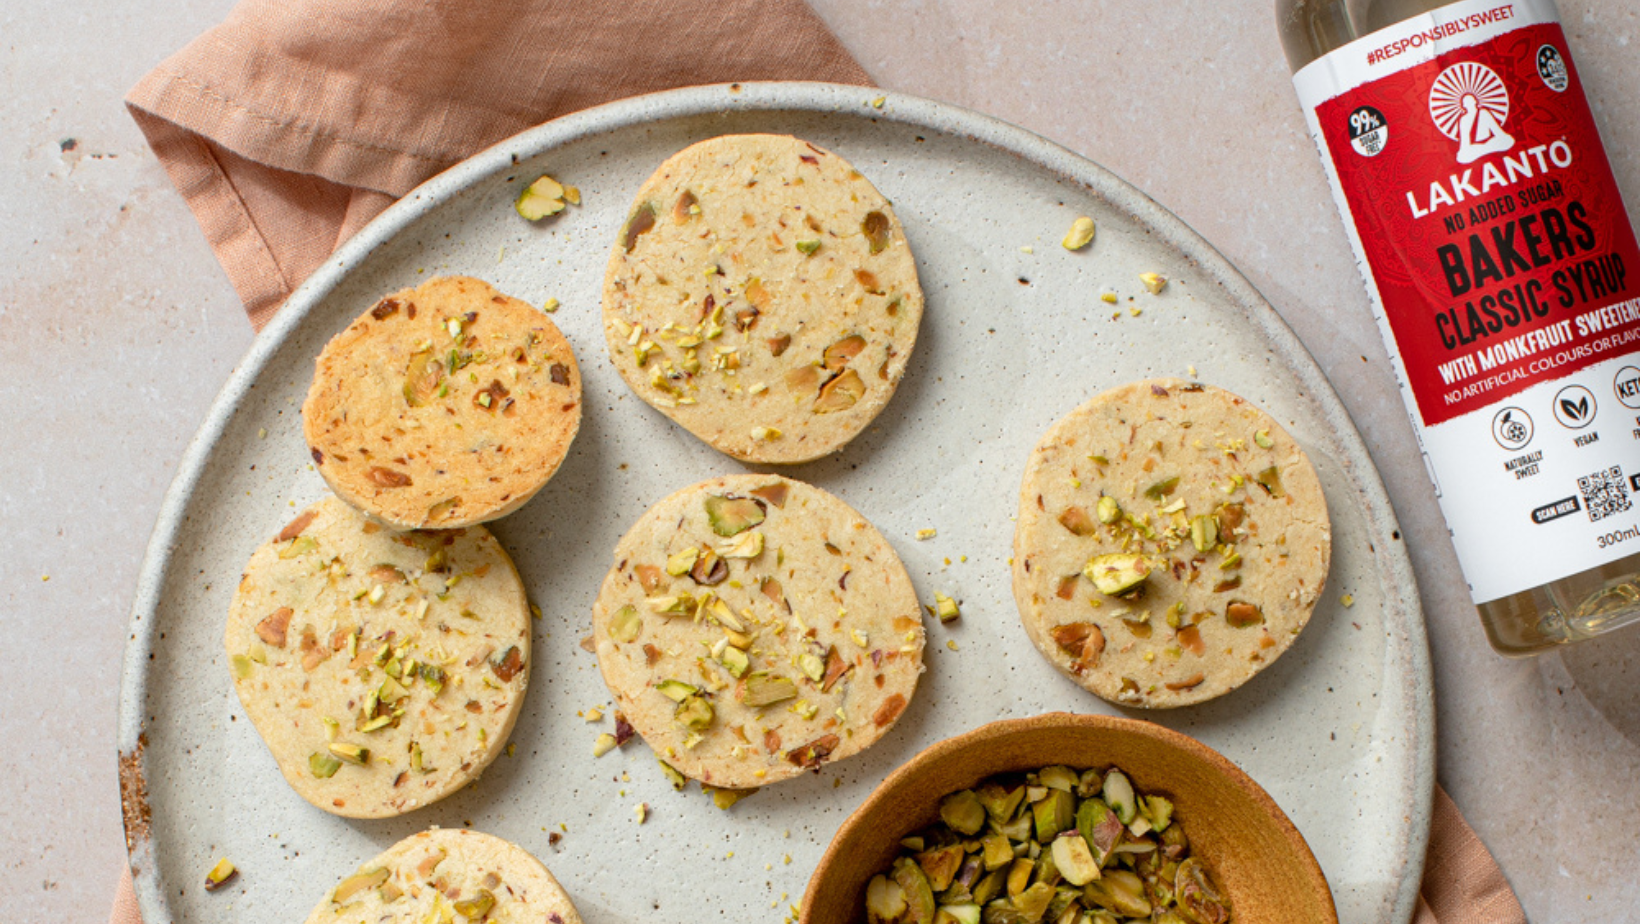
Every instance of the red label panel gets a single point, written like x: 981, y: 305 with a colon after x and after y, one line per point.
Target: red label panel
x: 1490, y: 219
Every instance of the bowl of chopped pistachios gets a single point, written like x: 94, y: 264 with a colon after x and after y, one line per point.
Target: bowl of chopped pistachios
x: 1068, y: 819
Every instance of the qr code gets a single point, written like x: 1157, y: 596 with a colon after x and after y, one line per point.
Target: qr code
x: 1604, y: 493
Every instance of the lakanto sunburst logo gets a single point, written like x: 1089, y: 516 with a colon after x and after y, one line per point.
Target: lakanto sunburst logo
x: 1469, y: 105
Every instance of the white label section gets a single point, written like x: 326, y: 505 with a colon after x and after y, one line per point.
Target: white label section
x: 1545, y: 484
x: 1413, y: 42
x: 1484, y: 485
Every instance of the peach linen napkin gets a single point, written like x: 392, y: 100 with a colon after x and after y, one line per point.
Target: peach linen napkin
x: 291, y: 125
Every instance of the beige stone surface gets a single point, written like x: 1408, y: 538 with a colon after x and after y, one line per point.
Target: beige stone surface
x: 117, y: 327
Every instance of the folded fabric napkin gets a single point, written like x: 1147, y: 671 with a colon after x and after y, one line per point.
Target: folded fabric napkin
x: 295, y: 122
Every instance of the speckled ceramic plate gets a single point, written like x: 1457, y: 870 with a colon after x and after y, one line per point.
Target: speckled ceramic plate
x: 1339, y: 731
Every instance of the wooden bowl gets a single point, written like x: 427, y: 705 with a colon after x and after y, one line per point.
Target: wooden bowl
x: 1255, y: 855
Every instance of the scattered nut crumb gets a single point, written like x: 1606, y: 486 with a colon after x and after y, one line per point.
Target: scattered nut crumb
x: 1154, y: 282
x: 535, y: 611
x: 550, y: 305
x: 511, y: 749
x: 1027, y: 249
x: 927, y: 533
x: 593, y: 715
x: 1348, y: 600
x: 1136, y: 311
x: 641, y: 810
x: 1080, y: 234
x: 220, y: 875
x: 1108, y: 298
x: 951, y: 643
x: 605, y: 743
x: 262, y: 433
x: 543, y: 198
x: 945, y: 607
x: 878, y: 102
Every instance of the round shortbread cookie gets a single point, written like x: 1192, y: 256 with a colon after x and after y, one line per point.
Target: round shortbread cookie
x: 383, y: 669
x: 762, y: 295
x: 444, y: 405
x: 1172, y: 540
x: 755, y: 627
x: 459, y: 877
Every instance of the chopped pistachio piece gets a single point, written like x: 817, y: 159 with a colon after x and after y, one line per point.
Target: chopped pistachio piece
x: 730, y: 516
x: 1073, y: 859
x: 919, y: 895
x: 679, y: 563
x: 1117, y: 573
x: 726, y: 798
x: 1242, y: 615
x: 1163, y: 488
x: 1154, y: 282
x: 603, y: 745
x: 1270, y: 480
x: 875, y: 226
x: 625, y: 625
x: 678, y: 780
x: 764, y: 689
x: 747, y: 545
x: 885, y: 901
x: 351, y: 753
x: 1052, y: 814
x: 807, y: 248
x: 361, y: 881
x: 1109, y: 510
x: 676, y: 690
x: 1204, y: 532
x: 1122, y: 892
x: 540, y: 199
x: 812, y: 666
x: 945, y: 607
x: 1118, y: 794
x: 1080, y: 234
x: 963, y: 812
x: 1262, y: 439
x: 219, y: 875
x: 475, y: 908
x: 376, y: 724
x: 694, y: 713
x: 735, y: 661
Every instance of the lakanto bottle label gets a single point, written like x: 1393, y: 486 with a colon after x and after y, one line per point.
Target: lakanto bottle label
x: 1504, y: 276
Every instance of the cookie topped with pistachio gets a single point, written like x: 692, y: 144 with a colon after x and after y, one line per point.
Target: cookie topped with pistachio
x: 442, y: 406
x: 755, y: 627
x: 448, y: 876
x: 384, y: 669
x: 1172, y: 540
x: 762, y: 294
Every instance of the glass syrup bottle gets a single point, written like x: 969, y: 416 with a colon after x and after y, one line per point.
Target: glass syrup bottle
x: 1503, y: 273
